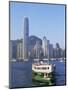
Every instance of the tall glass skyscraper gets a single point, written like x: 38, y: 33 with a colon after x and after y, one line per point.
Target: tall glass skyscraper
x: 26, y: 38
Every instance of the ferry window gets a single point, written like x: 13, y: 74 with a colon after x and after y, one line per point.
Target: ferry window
x: 43, y: 67
x: 37, y: 68
x: 46, y: 74
x: 48, y: 67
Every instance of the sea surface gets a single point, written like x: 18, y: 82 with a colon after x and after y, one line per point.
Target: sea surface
x: 20, y: 74
x: 60, y: 72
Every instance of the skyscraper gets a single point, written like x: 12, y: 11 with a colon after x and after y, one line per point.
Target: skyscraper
x: 57, y: 50
x: 51, y: 50
x: 26, y: 38
x: 38, y: 50
x: 20, y: 49
x: 13, y: 49
x: 45, y: 46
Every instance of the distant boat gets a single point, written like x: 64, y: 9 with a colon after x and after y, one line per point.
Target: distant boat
x: 61, y: 60
x: 13, y: 60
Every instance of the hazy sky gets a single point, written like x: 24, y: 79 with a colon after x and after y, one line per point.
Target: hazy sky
x: 44, y: 20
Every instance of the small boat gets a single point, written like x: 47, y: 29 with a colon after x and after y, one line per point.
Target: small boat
x: 61, y: 60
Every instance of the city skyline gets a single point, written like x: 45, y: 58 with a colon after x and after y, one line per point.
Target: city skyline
x: 50, y: 22
x: 37, y: 52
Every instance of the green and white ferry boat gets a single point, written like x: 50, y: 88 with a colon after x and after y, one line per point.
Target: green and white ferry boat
x: 43, y: 74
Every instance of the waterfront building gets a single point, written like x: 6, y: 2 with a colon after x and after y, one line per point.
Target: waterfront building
x: 64, y: 53
x: 45, y: 46
x: 10, y: 50
x: 48, y: 53
x: 26, y: 38
x: 58, y: 52
x: 32, y: 42
x: 54, y: 53
x: 37, y: 50
x: 20, y: 49
x: 51, y: 50
x: 13, y: 49
x: 61, y: 53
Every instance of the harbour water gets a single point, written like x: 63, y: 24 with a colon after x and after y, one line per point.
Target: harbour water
x: 60, y: 75
x: 19, y: 73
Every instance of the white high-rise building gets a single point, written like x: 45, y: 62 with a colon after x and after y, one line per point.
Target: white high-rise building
x: 45, y: 46
x: 20, y: 49
x: 37, y: 50
x: 26, y: 38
